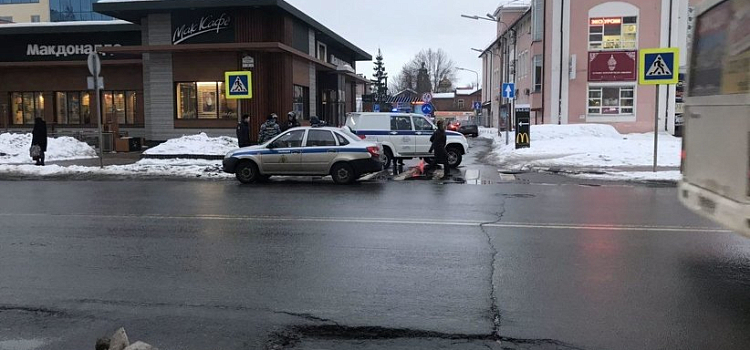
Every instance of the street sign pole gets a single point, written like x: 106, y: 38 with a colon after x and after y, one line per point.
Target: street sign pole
x: 656, y: 126
x: 94, y: 68
x: 507, y: 119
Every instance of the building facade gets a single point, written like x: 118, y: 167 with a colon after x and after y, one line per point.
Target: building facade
x: 581, y: 65
x: 20, y: 11
x: 163, y: 65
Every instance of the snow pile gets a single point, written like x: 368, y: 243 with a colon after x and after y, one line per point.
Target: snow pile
x: 584, y: 145
x: 143, y: 168
x: 16, y: 148
x: 200, y: 144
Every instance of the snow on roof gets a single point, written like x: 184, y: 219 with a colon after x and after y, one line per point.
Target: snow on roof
x: 443, y: 95
x: 465, y: 91
x: 63, y: 24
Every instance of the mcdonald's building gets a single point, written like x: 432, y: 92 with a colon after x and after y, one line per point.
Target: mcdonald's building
x: 163, y: 65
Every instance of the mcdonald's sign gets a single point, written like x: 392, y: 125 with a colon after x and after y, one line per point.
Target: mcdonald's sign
x: 522, y: 138
x: 523, y: 128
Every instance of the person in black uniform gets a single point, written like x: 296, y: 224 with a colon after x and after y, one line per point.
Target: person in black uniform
x: 243, y: 131
x: 439, y: 140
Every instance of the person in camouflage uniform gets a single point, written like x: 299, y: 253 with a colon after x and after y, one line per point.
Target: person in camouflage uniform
x: 269, y: 129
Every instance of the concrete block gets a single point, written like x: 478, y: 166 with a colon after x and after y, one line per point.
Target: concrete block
x: 139, y: 345
x: 119, y: 340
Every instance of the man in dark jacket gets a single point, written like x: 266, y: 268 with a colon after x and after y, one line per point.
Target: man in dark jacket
x: 439, y: 140
x: 243, y: 131
x: 291, y: 120
x: 39, y: 138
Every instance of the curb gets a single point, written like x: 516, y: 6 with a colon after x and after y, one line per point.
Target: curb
x: 182, y: 156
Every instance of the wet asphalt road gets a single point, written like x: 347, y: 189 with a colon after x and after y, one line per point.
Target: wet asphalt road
x: 378, y: 265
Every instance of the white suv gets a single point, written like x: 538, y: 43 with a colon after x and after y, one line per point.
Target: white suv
x: 404, y: 136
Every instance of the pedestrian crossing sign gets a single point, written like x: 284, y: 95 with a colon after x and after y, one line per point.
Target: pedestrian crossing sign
x: 238, y: 85
x: 659, y: 66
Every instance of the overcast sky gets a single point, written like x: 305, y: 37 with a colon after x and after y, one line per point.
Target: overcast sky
x: 401, y: 28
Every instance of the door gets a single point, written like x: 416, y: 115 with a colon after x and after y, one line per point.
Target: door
x: 423, y: 130
x: 283, y: 154
x: 402, y: 134
x: 319, y: 152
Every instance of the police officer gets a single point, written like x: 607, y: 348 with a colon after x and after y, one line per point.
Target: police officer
x: 269, y: 129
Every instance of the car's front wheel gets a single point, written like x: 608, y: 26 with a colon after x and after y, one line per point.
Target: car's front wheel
x: 247, y: 172
x: 454, y: 156
x: 342, y: 173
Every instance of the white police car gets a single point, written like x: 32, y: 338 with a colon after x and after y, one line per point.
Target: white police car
x: 314, y: 151
x: 405, y: 135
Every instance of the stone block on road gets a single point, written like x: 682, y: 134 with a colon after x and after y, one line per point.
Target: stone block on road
x: 139, y: 345
x: 119, y: 340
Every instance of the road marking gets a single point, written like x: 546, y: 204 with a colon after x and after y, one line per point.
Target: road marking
x: 397, y: 221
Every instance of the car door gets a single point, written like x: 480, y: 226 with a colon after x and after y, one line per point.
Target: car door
x: 402, y: 134
x: 283, y: 153
x: 319, y: 152
x: 423, y: 131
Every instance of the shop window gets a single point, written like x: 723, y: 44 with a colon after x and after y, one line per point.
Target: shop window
x: 613, y: 33
x: 119, y: 106
x: 204, y: 100
x: 25, y: 106
x: 301, y: 102
x: 611, y: 100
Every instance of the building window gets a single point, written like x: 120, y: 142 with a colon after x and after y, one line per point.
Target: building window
x: 537, y: 73
x: 322, y: 52
x: 35, y: 18
x: 608, y: 100
x: 537, y: 20
x: 460, y: 104
x: 6, y: 19
x: 72, y: 108
x: 204, y: 100
x: 301, y: 102
x: 26, y: 106
x: 77, y: 10
x: 612, y: 33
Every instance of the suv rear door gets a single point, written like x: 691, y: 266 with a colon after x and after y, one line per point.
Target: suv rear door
x: 402, y: 135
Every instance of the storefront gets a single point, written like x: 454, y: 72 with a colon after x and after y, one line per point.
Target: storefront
x: 164, y: 76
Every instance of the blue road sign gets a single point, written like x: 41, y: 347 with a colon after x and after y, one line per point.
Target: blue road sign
x: 376, y: 108
x: 427, y: 108
x: 659, y: 66
x: 477, y: 105
x: 509, y: 90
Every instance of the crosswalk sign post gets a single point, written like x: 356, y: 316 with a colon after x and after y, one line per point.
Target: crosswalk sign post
x: 658, y: 66
x: 238, y: 85
x: 509, y: 92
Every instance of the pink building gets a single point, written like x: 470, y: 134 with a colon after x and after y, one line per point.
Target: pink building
x: 577, y: 61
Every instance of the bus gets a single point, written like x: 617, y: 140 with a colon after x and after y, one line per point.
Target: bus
x: 716, y: 137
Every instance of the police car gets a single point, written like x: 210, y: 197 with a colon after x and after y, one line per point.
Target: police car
x: 314, y: 151
x: 405, y: 135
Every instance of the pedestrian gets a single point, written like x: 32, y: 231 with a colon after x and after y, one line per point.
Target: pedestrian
x: 314, y: 121
x: 39, y: 138
x: 243, y: 131
x: 291, y: 120
x: 269, y: 129
x: 439, y: 140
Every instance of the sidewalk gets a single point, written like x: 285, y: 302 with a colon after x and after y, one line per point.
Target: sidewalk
x: 120, y: 158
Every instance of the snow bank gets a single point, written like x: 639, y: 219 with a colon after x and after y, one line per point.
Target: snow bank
x: 584, y: 145
x: 143, y: 168
x: 16, y: 148
x: 200, y: 144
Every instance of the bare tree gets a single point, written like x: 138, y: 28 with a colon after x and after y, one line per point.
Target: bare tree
x: 440, y: 68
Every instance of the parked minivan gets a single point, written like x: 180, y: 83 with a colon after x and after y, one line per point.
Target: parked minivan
x: 404, y: 135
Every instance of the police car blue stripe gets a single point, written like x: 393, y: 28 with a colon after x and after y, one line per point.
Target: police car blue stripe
x: 301, y: 150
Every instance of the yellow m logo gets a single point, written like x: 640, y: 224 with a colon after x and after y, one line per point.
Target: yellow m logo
x: 522, y: 138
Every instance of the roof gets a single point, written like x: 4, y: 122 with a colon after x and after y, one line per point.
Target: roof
x: 501, y: 35
x: 67, y: 27
x: 406, y: 95
x: 466, y: 91
x: 134, y: 10
x: 443, y: 95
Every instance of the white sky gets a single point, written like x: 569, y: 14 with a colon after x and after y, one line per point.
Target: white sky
x: 401, y: 28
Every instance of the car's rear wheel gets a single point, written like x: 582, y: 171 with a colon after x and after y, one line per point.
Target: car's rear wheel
x: 342, y: 173
x: 247, y: 172
x: 454, y: 156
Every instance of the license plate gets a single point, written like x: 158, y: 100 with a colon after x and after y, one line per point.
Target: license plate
x: 707, y: 205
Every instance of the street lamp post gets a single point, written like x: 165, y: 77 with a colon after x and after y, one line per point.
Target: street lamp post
x: 506, y: 51
x: 473, y: 71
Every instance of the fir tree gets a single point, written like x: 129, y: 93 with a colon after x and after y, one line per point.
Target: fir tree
x: 380, y: 83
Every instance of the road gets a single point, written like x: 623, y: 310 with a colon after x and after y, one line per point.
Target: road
x: 377, y: 265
